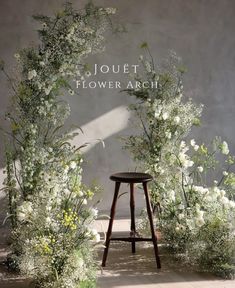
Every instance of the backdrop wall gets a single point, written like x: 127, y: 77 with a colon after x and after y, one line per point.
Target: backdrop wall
x: 201, y: 31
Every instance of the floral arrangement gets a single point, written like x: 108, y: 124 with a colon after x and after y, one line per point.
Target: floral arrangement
x: 195, y: 214
x: 52, y: 237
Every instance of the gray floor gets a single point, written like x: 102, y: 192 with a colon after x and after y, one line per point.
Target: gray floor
x: 128, y: 271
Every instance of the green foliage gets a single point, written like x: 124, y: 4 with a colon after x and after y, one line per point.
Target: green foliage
x: 195, y: 216
x: 53, y: 239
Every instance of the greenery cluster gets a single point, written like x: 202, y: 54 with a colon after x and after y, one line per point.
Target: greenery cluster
x: 53, y: 240
x: 195, y: 215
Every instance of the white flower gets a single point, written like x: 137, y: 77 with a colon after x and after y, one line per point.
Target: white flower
x: 182, y: 144
x: 17, y: 56
x: 165, y: 116
x: 48, y: 221
x: 200, y: 214
x: 79, y: 262
x: 192, y: 142
x: 71, y: 92
x: 41, y: 63
x: 32, y: 74
x: 181, y: 216
x: 224, y: 148
x: 88, y: 74
x: 94, y: 212
x: 200, y: 169
x: 225, y: 173
x: 209, y: 198
x: 185, y: 161
x: 232, y: 204
x: 47, y: 90
x: 222, y: 193
x: 158, y: 111
x: 84, y: 201
x: 196, y: 147
x: 216, y: 190
x: 172, y: 195
x: 67, y: 192
x: 181, y: 206
x: 168, y: 134
x: 179, y: 228
x: 177, y: 119
x: 44, y: 25
x: 73, y: 165
x: 95, y: 235
x: 66, y: 169
x: 80, y: 193
x: 200, y: 189
x: 224, y: 200
x: 110, y: 10
x: 25, y: 210
x: 199, y: 222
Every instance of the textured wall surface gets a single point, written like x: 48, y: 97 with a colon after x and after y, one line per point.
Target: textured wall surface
x: 200, y: 31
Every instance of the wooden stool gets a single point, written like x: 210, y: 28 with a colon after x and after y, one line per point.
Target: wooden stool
x: 131, y: 178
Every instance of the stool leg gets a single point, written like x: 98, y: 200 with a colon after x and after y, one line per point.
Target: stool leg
x: 112, y: 214
x: 132, y: 208
x: 150, y: 215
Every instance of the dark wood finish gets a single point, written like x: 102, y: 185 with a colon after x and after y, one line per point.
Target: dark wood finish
x: 112, y: 214
x: 132, y: 208
x: 130, y: 239
x: 131, y: 177
x: 150, y: 215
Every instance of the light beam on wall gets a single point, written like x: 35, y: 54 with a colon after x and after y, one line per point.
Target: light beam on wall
x: 102, y: 127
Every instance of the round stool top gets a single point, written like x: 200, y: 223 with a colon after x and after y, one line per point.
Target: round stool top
x: 131, y: 177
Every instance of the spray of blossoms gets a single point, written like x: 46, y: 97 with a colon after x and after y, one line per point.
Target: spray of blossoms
x: 52, y: 238
x: 196, y: 217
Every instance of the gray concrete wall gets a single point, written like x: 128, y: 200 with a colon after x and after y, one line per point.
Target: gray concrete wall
x: 201, y: 31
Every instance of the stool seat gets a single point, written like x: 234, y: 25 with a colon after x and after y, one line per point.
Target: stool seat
x: 131, y: 177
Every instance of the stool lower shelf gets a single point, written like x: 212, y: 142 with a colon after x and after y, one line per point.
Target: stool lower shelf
x: 131, y: 239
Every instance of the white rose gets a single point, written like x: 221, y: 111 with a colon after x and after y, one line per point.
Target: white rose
x: 225, y: 173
